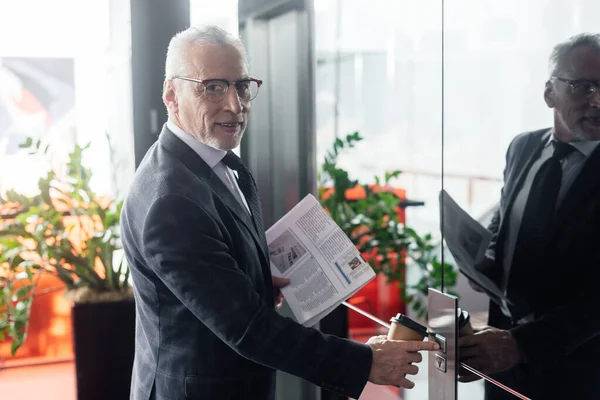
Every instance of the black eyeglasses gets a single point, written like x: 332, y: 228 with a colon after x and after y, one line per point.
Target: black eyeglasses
x: 581, y: 88
x: 216, y: 89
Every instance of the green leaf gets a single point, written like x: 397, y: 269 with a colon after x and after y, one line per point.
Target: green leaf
x: 13, y: 196
x: 22, y: 292
x: 28, y: 143
x: 44, y: 185
x: 391, y: 175
x: 29, y: 273
x: 14, y: 346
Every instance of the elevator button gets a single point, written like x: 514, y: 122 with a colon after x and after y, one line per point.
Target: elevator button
x: 441, y: 341
x: 440, y: 363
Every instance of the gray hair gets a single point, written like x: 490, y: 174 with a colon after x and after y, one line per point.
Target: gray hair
x: 176, y: 63
x: 561, y: 52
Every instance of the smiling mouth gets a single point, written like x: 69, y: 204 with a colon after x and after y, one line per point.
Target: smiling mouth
x: 593, y: 122
x: 229, y: 124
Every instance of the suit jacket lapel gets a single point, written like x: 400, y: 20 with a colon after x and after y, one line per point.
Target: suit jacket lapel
x: 586, y: 183
x: 203, y: 171
x: 240, y: 211
x: 525, y: 157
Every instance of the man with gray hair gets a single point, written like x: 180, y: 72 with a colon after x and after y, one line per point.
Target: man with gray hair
x: 192, y: 230
x: 544, y: 341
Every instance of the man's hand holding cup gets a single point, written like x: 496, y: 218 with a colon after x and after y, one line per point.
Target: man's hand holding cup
x: 394, y: 354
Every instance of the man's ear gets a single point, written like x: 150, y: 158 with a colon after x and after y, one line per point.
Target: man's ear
x: 170, y: 96
x: 549, y: 95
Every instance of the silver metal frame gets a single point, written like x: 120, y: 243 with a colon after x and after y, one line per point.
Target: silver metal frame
x: 443, y: 328
x: 279, y: 143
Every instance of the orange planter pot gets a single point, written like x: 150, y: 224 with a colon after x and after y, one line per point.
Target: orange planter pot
x: 50, y: 333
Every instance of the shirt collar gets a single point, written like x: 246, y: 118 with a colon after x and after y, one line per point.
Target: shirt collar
x: 585, y: 147
x: 209, y: 154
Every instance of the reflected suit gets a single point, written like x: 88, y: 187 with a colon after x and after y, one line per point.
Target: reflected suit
x: 555, y: 310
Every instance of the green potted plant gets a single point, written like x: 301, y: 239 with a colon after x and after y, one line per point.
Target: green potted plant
x: 373, y: 225
x: 71, y: 232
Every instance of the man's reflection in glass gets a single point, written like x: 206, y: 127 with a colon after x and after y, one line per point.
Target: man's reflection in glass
x: 545, y: 253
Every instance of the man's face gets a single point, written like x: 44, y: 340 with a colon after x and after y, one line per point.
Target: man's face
x: 576, y: 109
x: 219, y: 124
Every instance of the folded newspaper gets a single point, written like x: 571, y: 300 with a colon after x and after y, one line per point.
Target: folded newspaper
x: 467, y: 241
x: 323, y: 265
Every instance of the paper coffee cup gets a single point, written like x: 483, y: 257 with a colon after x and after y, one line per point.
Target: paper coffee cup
x: 404, y: 328
x: 464, y: 323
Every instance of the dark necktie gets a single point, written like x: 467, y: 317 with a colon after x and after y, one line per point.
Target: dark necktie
x: 538, y: 216
x: 248, y: 188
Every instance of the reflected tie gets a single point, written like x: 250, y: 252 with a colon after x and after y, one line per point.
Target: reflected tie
x: 540, y: 210
x: 248, y: 188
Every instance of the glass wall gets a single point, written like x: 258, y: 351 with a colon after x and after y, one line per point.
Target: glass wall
x: 496, y: 68
x: 379, y: 73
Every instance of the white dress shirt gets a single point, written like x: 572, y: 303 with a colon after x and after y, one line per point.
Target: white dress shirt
x: 213, y: 157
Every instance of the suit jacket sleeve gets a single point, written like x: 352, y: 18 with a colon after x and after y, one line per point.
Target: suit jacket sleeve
x: 185, y: 247
x: 494, y: 226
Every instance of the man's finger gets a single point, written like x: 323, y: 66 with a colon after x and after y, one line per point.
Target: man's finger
x: 414, y: 345
x: 412, y: 370
x: 406, y: 383
x: 415, y: 357
x: 279, y: 282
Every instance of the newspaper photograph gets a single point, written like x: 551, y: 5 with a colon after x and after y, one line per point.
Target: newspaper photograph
x: 323, y: 265
x: 286, y: 250
x: 467, y: 241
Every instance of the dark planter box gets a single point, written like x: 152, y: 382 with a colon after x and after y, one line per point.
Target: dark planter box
x: 104, y: 343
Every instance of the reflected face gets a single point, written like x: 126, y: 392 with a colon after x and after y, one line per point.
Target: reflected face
x: 576, y: 106
x: 219, y: 124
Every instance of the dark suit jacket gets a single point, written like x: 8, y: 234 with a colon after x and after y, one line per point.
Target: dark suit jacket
x: 206, y: 327
x: 562, y: 286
